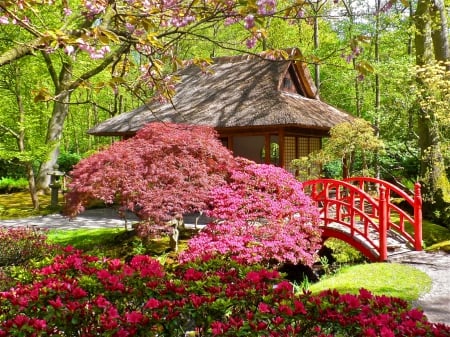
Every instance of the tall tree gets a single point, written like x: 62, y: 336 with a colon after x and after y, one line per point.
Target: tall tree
x: 20, y: 123
x: 133, y: 41
x: 431, y: 45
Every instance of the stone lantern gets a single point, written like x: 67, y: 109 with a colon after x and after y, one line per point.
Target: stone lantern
x: 56, y: 178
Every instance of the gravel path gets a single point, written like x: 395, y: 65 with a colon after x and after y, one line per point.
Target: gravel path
x: 435, y: 303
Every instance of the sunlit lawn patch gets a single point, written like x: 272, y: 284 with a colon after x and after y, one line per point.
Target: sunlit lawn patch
x: 391, y: 279
x: 19, y: 205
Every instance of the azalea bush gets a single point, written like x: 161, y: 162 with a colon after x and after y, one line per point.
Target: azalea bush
x: 22, y: 244
x: 164, y: 171
x: 263, y: 216
x: 82, y: 295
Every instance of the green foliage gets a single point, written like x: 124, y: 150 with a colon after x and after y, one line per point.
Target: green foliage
x: 10, y: 185
x: 67, y: 160
x: 344, y: 253
x: 332, y: 169
x: 11, y: 168
x: 400, y: 161
x: 349, y: 143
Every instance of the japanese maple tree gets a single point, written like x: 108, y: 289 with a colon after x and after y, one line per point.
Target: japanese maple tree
x: 261, y: 212
x: 164, y: 171
x: 263, y: 217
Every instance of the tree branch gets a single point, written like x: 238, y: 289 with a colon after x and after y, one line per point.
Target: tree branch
x: 19, y: 52
x: 9, y: 130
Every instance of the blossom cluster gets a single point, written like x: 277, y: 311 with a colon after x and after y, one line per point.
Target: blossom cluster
x: 82, y: 295
x: 263, y: 217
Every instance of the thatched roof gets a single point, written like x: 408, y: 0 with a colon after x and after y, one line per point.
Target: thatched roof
x: 241, y: 91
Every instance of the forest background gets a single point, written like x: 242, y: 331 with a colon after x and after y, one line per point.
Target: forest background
x: 64, y: 68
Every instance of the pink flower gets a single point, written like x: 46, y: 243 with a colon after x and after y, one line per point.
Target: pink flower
x: 134, y: 317
x: 152, y: 303
x: 264, y: 308
x: 249, y: 21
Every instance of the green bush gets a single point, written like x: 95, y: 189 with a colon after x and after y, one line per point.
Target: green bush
x: 343, y: 253
x: 11, y: 168
x: 333, y: 169
x: 67, y: 160
x: 10, y: 185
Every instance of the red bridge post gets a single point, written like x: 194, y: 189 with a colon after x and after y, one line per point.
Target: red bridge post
x: 417, y: 217
x: 383, y: 222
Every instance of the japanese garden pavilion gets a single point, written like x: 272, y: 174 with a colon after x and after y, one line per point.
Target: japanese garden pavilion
x: 264, y: 110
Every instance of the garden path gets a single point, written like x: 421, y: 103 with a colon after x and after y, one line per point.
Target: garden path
x: 435, y: 303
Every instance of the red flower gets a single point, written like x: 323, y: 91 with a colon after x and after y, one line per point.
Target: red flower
x: 134, y: 317
x: 57, y: 303
x: 386, y: 332
x: 152, y: 303
x: 218, y: 328
x: 264, y: 308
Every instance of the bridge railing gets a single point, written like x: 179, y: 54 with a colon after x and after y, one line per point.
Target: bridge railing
x: 392, y: 192
x: 368, y: 203
x: 349, y: 214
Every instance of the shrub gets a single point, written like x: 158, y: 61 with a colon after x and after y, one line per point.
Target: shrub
x: 81, y: 295
x: 67, y: 160
x: 22, y: 244
x: 10, y: 185
x: 263, y: 217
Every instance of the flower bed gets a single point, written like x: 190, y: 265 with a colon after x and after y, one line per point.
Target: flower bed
x: 82, y: 295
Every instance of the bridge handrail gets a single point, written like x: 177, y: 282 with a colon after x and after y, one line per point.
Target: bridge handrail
x: 381, y: 206
x: 415, y: 202
x: 381, y: 227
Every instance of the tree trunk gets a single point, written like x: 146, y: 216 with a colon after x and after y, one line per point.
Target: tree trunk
x: 431, y: 31
x: 376, y: 121
x: 21, y: 142
x: 439, y: 30
x: 55, y: 127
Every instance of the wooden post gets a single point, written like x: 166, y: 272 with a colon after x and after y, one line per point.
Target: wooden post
x: 282, y: 150
x: 417, y: 217
x: 383, y: 219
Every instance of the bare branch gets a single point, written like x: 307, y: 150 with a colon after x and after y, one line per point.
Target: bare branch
x: 10, y: 131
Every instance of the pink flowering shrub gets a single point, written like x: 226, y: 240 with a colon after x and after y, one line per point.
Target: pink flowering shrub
x: 20, y: 245
x: 81, y: 295
x: 164, y: 171
x: 264, y: 217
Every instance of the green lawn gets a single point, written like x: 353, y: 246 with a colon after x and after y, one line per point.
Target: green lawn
x: 19, y: 205
x: 390, y: 279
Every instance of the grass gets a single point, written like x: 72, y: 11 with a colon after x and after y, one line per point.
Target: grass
x: 111, y: 242
x: 19, y: 205
x: 390, y: 279
x: 106, y: 240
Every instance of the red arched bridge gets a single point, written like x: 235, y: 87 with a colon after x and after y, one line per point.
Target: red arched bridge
x: 365, y: 213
